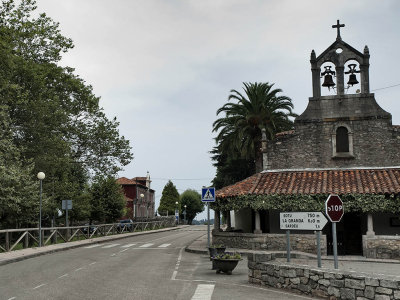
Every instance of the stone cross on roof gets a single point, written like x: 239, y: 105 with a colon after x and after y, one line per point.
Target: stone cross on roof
x: 338, y: 25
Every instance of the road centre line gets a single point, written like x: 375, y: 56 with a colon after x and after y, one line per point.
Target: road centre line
x: 65, y: 275
x: 123, y: 250
x: 12, y: 298
x: 174, y: 275
x: 36, y: 287
x: 76, y: 270
x: 146, y: 245
x: 92, y: 263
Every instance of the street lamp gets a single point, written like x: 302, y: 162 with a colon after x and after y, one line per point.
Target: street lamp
x: 40, y: 176
x: 141, y: 201
x: 176, y: 212
x: 184, y: 215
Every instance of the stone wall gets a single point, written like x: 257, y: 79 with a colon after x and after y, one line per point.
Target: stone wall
x: 298, y: 242
x: 381, y: 246
x: 325, y: 283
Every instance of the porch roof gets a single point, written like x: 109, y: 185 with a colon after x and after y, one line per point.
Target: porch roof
x: 317, y: 181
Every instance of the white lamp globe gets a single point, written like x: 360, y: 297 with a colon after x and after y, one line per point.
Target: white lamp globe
x: 41, y: 175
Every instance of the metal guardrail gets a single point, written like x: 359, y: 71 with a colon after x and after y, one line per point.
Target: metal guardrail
x: 13, y: 239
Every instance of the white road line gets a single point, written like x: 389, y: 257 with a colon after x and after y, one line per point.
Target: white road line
x: 164, y: 245
x: 123, y: 250
x: 36, y: 287
x: 110, y: 246
x: 65, y: 275
x: 128, y: 245
x: 91, y: 264
x: 203, y: 292
x: 79, y: 269
x: 174, y: 275
x: 92, y: 246
x: 12, y: 298
x: 146, y: 245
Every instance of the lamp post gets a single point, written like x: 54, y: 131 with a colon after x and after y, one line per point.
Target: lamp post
x: 184, y: 215
x: 40, y: 176
x: 176, y: 213
x: 141, y: 201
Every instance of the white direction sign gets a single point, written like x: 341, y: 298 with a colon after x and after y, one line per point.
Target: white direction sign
x: 302, y: 220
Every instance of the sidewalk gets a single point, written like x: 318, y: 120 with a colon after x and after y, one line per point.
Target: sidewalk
x: 389, y: 267
x: 18, y: 255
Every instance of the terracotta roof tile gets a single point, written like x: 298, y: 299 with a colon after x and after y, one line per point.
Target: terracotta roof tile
x: 350, y: 181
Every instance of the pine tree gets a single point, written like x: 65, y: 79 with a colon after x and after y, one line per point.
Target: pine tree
x: 168, y: 200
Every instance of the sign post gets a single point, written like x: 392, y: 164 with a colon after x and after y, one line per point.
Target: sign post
x: 208, y: 195
x: 302, y: 221
x: 334, y: 210
x: 66, y: 205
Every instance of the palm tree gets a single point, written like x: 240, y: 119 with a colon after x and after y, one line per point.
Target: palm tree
x: 240, y: 129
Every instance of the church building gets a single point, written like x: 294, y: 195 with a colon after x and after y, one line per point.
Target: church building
x: 344, y: 143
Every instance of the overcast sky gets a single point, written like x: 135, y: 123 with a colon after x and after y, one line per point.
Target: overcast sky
x: 163, y: 68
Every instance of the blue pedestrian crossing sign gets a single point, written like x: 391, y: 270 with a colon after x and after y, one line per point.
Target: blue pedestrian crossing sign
x: 208, y: 194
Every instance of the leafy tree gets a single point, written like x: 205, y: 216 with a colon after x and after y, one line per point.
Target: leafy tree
x: 107, y: 200
x: 168, y: 199
x: 56, y: 122
x: 19, y: 191
x: 194, y: 205
x: 240, y: 130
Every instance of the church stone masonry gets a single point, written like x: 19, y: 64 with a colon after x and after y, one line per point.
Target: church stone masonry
x: 370, y: 138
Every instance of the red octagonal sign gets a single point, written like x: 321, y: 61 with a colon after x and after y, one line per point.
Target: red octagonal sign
x: 334, y: 208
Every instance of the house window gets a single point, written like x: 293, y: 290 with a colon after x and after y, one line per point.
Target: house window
x: 342, y: 139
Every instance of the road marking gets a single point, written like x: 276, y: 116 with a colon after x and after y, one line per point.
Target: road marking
x: 174, y: 275
x: 92, y: 246
x: 128, y: 245
x: 123, y: 250
x: 177, y: 264
x: 65, y: 275
x: 203, y: 292
x: 164, y: 245
x: 36, y: 287
x: 110, y: 246
x: 91, y: 264
x: 146, y: 245
x: 79, y: 269
x: 12, y: 298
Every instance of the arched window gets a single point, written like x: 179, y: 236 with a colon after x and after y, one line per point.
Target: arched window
x: 342, y: 139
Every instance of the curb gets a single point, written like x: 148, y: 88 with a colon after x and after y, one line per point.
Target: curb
x: 63, y: 247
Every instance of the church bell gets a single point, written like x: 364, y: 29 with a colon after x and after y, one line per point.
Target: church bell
x: 352, y: 77
x: 328, y: 80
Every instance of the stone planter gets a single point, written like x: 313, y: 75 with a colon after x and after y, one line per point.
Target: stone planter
x: 215, y: 251
x: 225, y: 265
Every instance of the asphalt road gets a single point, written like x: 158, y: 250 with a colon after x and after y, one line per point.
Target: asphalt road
x: 153, y: 266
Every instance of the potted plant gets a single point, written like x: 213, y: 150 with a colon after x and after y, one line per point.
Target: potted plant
x: 216, y: 249
x: 226, y: 262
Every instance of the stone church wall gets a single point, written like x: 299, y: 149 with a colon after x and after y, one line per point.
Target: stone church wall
x: 375, y: 143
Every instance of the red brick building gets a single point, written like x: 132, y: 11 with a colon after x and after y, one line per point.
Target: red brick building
x: 139, y: 196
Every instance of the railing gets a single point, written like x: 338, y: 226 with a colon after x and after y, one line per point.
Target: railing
x: 13, y: 239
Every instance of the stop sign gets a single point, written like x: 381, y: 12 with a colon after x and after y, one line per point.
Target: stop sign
x: 334, y: 208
